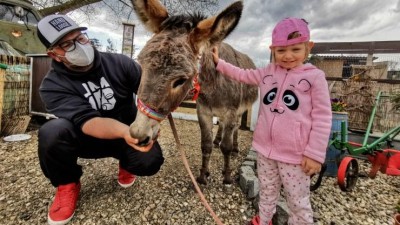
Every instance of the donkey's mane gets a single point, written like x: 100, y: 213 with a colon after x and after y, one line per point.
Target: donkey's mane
x: 188, y: 21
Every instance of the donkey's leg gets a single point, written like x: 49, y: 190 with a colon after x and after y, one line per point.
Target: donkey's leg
x: 226, y: 146
x: 218, y: 137
x: 235, y: 150
x: 204, y: 115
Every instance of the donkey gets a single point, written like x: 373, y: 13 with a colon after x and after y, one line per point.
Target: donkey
x: 170, y: 63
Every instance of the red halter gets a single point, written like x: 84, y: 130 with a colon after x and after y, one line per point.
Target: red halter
x: 196, y: 88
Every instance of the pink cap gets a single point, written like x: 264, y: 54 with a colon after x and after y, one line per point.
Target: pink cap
x: 287, y: 26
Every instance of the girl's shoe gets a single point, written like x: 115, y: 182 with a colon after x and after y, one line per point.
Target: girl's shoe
x: 256, y: 221
x: 397, y: 219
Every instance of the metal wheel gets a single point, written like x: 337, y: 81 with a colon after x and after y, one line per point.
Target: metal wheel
x: 316, y: 179
x: 347, y: 173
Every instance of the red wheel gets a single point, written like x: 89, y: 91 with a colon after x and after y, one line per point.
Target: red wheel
x: 347, y: 173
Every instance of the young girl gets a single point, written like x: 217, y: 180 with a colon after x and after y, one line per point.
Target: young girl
x: 294, y: 121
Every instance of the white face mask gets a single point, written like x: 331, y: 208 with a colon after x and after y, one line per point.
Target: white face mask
x: 82, y: 55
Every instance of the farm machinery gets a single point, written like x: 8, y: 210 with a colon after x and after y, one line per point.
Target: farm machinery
x: 379, y: 153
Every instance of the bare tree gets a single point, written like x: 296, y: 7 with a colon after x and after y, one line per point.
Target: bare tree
x: 96, y: 43
x: 110, y: 47
x: 208, y: 7
x: 47, y: 7
x: 120, y: 10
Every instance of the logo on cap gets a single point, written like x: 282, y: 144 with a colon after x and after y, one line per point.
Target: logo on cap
x: 59, y: 23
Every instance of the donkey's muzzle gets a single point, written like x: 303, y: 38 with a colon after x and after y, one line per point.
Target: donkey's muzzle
x: 145, y: 142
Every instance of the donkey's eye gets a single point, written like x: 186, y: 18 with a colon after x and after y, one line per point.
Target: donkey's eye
x: 179, y: 82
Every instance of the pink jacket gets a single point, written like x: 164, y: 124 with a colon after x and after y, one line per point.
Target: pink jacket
x: 294, y: 119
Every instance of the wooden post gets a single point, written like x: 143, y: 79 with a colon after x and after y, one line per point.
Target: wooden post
x: 369, y: 59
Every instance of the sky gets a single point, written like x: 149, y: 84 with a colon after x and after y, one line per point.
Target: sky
x: 329, y: 21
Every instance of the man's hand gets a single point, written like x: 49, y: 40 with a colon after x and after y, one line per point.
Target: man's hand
x: 107, y: 128
x: 133, y: 143
x: 310, y: 166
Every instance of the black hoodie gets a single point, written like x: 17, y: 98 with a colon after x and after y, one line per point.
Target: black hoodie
x: 104, y: 91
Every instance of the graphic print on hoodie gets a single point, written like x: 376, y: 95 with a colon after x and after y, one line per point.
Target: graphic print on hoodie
x: 100, y: 97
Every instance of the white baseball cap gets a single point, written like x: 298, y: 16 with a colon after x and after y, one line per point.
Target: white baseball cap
x: 52, y: 28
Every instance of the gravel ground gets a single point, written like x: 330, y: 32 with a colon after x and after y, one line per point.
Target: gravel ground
x: 168, y: 197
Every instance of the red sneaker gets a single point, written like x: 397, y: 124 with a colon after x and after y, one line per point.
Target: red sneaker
x: 256, y: 221
x: 125, y: 179
x: 63, y: 207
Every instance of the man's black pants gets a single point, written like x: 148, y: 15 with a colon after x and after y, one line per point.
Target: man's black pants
x: 61, y: 144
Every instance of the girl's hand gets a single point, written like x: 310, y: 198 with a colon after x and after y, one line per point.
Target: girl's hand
x: 310, y: 166
x: 215, y: 55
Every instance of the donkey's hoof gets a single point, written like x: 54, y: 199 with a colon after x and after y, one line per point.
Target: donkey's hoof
x: 227, y: 181
x: 235, y: 153
x: 216, y: 144
x: 193, y: 187
x: 202, y: 180
x: 228, y: 188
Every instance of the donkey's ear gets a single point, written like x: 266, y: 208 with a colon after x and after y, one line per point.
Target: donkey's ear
x: 226, y: 21
x: 151, y: 12
x: 215, y: 29
x: 201, y: 34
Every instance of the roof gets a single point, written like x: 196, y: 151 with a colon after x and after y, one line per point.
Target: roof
x: 344, y: 57
x: 372, y: 47
x: 340, y: 57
